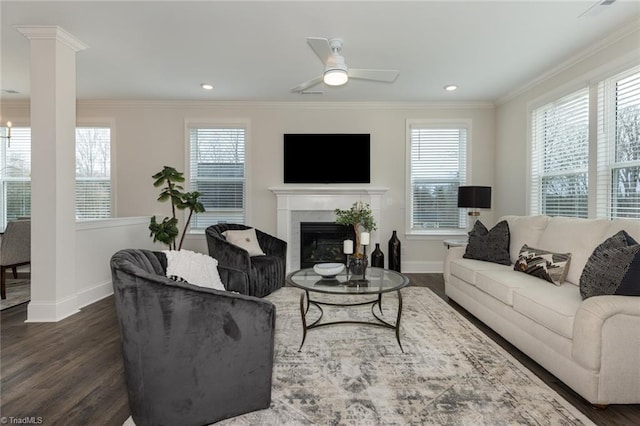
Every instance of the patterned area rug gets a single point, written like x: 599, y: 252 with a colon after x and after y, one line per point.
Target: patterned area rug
x: 450, y: 372
x: 18, y: 292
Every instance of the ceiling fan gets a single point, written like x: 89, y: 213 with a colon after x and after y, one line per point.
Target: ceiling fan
x: 336, y: 72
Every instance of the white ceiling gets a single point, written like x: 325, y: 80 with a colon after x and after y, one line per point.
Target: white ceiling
x: 257, y: 51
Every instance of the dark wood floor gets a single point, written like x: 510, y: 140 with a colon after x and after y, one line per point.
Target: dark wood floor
x: 71, y: 373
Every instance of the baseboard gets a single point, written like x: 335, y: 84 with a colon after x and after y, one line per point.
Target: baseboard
x: 95, y: 293
x: 38, y: 311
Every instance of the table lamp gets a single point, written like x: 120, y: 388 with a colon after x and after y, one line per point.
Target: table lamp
x: 473, y: 198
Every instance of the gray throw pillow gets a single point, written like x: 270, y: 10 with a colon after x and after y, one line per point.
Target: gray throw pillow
x: 490, y: 246
x: 613, y: 268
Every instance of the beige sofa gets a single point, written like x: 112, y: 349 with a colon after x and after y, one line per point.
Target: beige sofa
x: 593, y: 346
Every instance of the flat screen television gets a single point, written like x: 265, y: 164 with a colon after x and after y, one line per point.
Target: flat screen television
x: 327, y: 158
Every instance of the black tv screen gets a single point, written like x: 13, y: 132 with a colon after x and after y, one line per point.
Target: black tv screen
x: 327, y: 158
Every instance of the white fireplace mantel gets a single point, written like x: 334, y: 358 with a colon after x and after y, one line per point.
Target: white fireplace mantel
x: 322, y: 200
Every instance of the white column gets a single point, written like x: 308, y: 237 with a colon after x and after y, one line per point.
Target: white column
x: 53, y: 123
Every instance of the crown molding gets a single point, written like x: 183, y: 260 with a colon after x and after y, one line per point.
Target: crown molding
x: 283, y: 104
x: 623, y: 32
x: 51, y: 32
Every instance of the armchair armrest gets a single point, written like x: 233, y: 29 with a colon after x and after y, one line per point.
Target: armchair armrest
x: 234, y: 279
x: 271, y: 245
x: 227, y: 254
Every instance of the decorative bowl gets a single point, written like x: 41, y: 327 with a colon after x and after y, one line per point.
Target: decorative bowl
x: 328, y: 270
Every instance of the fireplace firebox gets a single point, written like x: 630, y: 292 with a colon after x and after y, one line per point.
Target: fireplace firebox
x: 322, y: 242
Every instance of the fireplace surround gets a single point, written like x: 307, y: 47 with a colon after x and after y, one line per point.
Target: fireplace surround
x: 296, y: 204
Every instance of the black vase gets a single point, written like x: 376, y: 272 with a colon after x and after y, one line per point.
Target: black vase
x: 377, y: 257
x: 394, y: 252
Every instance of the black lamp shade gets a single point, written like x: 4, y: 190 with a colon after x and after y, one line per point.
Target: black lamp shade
x: 477, y: 197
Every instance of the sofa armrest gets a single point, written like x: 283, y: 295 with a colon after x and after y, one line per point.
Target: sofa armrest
x: 453, y: 253
x: 607, y: 324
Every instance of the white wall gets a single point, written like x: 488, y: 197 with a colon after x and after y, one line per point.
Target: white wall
x: 619, y: 52
x: 150, y: 135
x: 96, y: 242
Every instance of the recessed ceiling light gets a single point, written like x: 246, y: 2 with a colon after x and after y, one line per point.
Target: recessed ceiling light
x: 206, y: 86
x: 450, y: 87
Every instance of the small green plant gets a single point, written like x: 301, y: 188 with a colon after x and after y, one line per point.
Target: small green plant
x: 359, y: 215
x: 167, y: 231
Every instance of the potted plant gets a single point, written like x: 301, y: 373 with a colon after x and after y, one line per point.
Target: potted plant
x: 167, y: 231
x: 358, y: 216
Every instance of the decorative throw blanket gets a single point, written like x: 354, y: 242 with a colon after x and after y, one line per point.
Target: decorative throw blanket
x: 195, y: 268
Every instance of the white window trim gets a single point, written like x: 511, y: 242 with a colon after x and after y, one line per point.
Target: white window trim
x: 191, y: 123
x: 428, y: 122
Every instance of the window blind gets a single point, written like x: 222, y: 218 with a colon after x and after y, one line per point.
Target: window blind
x: 560, y: 157
x: 93, y: 172
x: 15, y: 174
x: 217, y: 171
x: 437, y: 168
x: 618, y: 165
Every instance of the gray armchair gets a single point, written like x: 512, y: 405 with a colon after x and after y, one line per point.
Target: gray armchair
x: 15, y: 250
x: 192, y: 355
x: 265, y: 274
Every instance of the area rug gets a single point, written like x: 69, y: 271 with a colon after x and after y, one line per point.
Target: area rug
x: 449, y: 374
x: 18, y: 292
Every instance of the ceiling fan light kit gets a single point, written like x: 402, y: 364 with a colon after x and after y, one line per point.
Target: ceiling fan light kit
x: 335, y: 77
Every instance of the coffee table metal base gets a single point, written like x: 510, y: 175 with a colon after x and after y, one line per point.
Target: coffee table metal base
x: 304, y: 310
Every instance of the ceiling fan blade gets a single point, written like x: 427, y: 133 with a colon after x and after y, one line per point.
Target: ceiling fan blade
x: 307, y: 84
x: 321, y: 47
x: 388, y: 76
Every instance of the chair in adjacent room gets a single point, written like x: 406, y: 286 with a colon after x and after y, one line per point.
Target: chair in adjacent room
x: 265, y: 273
x: 15, y: 250
x: 192, y: 355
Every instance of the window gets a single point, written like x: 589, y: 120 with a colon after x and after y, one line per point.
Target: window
x: 437, y: 166
x: 560, y: 157
x: 93, y: 182
x: 217, y: 170
x: 15, y: 175
x: 618, y: 183
x: 93, y: 169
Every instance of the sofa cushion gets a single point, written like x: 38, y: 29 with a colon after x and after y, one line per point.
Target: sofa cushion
x: 524, y: 230
x: 551, y: 307
x: 613, y: 268
x: 630, y: 226
x: 502, y: 283
x: 489, y: 245
x: 468, y: 269
x: 551, y: 267
x: 576, y: 236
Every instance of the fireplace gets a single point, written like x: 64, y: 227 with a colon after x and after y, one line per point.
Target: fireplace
x: 323, y: 242
x: 297, y: 204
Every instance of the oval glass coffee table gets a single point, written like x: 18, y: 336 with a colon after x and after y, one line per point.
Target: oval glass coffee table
x: 378, y: 281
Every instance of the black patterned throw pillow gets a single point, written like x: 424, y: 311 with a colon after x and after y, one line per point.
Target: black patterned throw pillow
x: 177, y: 278
x: 549, y: 266
x: 613, y: 268
x: 489, y: 245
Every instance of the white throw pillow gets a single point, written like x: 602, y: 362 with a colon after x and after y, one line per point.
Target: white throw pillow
x: 196, y: 268
x: 245, y: 239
